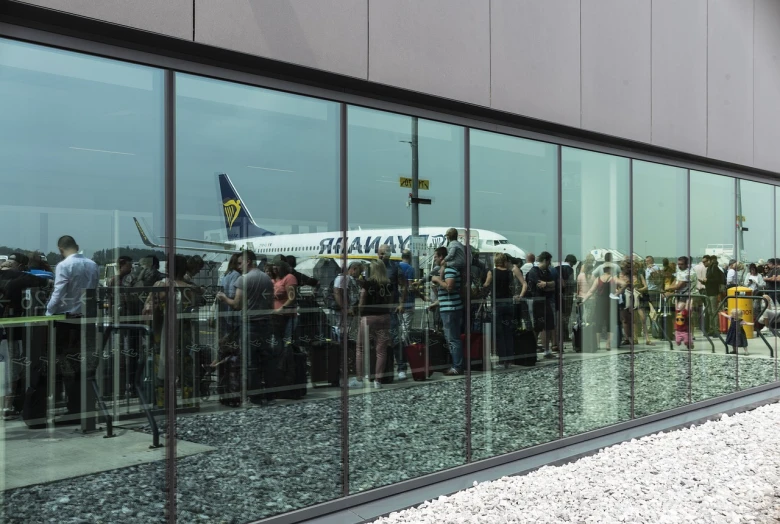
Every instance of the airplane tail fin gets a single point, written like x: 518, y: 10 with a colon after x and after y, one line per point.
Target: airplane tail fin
x: 238, y: 221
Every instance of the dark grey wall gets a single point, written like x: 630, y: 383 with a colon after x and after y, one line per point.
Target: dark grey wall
x: 699, y: 76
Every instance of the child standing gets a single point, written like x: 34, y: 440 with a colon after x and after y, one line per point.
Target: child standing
x: 682, y: 334
x: 736, y: 336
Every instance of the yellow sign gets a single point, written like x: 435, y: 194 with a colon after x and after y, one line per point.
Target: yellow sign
x: 421, y: 184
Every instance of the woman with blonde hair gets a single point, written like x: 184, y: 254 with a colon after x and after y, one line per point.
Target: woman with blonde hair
x: 374, y: 310
x: 504, y: 310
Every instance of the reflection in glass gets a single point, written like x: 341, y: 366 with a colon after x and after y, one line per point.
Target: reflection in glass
x: 755, y: 236
x: 713, y: 197
x: 257, y: 170
x: 401, y: 427
x: 514, y: 197
x: 661, y: 378
x: 81, y: 150
x: 595, y: 196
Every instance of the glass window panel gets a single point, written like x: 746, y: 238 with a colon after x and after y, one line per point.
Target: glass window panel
x: 755, y: 235
x: 661, y: 379
x: 713, y: 232
x: 596, y: 226
x: 400, y: 428
x: 260, y: 170
x: 81, y: 154
x: 514, y: 202
x: 771, y: 284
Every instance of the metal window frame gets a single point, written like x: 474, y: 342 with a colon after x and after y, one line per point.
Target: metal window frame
x: 395, y: 100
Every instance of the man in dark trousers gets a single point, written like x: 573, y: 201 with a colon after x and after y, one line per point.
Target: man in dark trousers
x: 254, y: 297
x: 73, y: 276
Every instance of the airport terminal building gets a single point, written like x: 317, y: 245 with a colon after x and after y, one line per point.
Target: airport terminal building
x: 276, y: 260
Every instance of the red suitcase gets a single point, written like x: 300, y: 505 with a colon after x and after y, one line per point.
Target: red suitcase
x: 476, y: 355
x: 417, y: 356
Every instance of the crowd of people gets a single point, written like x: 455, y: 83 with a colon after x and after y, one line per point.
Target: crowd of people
x: 375, y: 302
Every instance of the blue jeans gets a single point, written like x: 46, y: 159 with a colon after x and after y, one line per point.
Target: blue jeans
x: 453, y: 324
x: 397, y: 340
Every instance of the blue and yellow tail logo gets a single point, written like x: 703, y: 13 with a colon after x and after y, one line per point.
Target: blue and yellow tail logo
x: 232, y: 209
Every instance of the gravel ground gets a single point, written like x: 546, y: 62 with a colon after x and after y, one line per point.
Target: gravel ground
x: 277, y: 459
x: 726, y: 471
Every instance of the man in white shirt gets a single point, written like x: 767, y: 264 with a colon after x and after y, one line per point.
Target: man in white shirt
x: 72, y: 277
x: 701, y: 275
x: 607, y: 263
x: 530, y: 262
x: 685, y: 280
x: 731, y: 275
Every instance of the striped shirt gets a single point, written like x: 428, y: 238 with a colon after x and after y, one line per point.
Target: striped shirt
x: 451, y: 300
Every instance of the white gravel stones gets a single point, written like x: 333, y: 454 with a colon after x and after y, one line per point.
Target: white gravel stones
x: 726, y: 471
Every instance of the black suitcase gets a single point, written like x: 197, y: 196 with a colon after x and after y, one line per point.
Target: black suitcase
x: 583, y: 334
x: 524, y: 344
x: 34, y: 409
x: 292, y: 373
x: 325, y: 358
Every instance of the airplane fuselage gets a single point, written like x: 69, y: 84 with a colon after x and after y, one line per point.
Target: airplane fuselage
x: 365, y: 243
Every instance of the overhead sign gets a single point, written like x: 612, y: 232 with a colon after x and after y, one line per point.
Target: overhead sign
x: 421, y: 184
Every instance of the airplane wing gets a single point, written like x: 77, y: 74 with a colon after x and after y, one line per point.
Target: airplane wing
x: 226, y: 248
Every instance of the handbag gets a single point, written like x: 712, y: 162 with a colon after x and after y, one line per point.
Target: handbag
x: 478, y: 320
x: 213, y: 313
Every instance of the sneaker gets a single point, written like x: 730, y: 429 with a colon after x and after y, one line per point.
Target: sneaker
x: 402, y: 375
x: 549, y: 355
x: 354, y: 383
x: 452, y: 372
x: 499, y: 367
x: 377, y: 384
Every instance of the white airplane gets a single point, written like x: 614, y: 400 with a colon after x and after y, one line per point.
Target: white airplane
x: 244, y: 233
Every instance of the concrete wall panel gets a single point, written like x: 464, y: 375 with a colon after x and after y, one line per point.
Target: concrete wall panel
x: 680, y: 75
x: 730, y: 81
x: 325, y: 34
x: 616, y: 67
x: 766, y: 78
x: 168, y: 17
x: 535, y: 59
x: 440, y: 47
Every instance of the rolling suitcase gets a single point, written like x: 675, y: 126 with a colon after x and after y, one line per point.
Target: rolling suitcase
x: 292, y: 373
x: 524, y: 344
x: 417, y: 357
x: 476, y: 351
